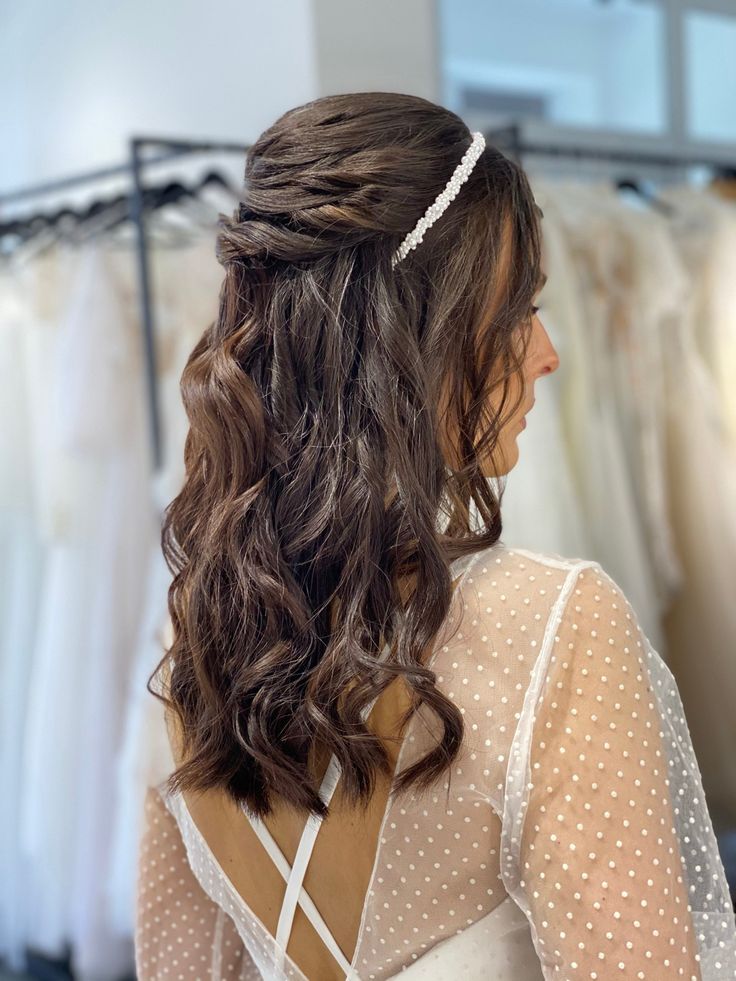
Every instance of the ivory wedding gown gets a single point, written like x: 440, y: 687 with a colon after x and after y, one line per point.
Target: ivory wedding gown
x: 571, y: 838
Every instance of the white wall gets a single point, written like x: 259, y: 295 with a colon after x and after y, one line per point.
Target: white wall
x: 79, y: 77
x: 596, y: 65
x: 711, y: 92
x: 378, y: 45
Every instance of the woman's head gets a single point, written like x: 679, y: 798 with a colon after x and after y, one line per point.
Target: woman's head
x: 337, y: 405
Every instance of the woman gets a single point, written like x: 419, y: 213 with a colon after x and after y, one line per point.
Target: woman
x: 400, y: 745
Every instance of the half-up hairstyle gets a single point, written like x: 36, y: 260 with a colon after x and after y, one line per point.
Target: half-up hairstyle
x: 319, y: 515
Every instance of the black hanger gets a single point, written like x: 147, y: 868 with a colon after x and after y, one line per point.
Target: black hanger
x: 170, y: 194
x: 25, y: 228
x: 631, y: 183
x: 213, y: 177
x: 153, y: 198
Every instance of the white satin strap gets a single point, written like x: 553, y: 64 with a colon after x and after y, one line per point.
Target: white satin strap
x: 294, y: 875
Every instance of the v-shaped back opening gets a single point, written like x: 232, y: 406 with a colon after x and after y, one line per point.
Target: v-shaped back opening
x: 294, y: 874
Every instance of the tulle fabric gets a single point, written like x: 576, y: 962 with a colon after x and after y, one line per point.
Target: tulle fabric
x: 573, y: 825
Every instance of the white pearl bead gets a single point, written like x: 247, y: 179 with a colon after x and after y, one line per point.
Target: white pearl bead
x: 443, y: 199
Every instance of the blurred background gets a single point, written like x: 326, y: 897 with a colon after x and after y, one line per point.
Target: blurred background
x: 124, y: 129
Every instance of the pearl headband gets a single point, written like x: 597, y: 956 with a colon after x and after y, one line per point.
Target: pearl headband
x: 438, y: 206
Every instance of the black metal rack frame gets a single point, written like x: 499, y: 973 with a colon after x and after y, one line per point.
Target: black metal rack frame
x: 508, y: 138
x: 168, y: 150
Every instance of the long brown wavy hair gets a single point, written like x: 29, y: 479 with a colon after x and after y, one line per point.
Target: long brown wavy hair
x: 316, y: 484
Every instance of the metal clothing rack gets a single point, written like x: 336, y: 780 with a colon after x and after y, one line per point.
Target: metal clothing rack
x: 513, y: 139
x: 510, y: 139
x: 167, y: 150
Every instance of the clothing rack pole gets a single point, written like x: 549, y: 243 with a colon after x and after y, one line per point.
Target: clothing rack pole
x: 510, y: 137
x: 76, y: 180
x: 144, y: 289
x: 175, y: 148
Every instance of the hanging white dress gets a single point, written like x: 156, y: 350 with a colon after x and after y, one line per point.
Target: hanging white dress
x: 546, y: 514
x: 571, y: 838
x: 110, y: 420
x: 704, y: 226
x: 646, y: 293
x: 701, y: 623
x: 64, y: 491
x: 91, y: 607
x: 720, y: 353
x: 604, y: 486
x: 22, y: 549
x: 185, y: 284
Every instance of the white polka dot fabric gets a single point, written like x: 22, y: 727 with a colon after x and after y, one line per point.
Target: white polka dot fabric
x: 181, y: 933
x: 570, y: 840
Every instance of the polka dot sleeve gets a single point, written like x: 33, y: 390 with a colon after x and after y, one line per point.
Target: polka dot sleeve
x: 180, y: 933
x: 607, y: 842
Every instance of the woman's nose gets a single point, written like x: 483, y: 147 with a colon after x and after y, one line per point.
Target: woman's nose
x: 547, y: 358
x: 551, y: 362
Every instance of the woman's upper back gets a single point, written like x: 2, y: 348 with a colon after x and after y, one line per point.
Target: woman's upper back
x: 576, y: 797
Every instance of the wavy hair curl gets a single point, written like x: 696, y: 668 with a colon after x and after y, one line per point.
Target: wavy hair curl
x: 320, y: 515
